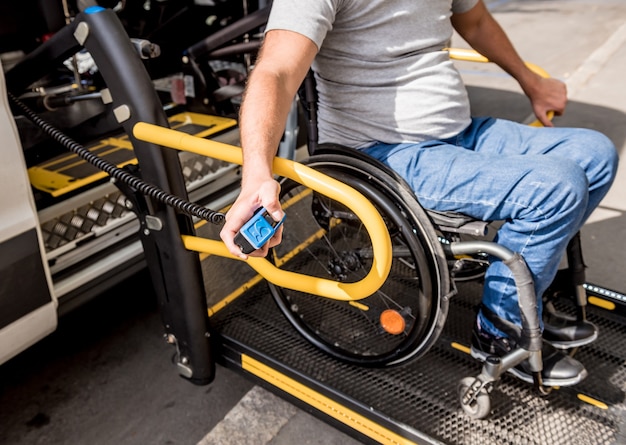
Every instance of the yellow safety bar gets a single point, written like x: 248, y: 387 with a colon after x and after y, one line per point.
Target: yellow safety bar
x: 306, y: 176
x: 470, y: 55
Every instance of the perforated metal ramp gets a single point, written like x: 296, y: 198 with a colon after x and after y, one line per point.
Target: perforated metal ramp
x: 417, y: 403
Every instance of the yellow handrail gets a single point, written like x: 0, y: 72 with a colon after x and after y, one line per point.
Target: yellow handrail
x: 306, y: 176
x: 470, y: 55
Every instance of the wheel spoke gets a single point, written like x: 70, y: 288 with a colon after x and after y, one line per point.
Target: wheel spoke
x: 324, y: 238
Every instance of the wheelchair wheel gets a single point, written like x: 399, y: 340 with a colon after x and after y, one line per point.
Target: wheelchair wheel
x: 324, y: 238
x: 476, y: 404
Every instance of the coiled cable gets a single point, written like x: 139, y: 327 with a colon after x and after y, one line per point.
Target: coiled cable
x: 117, y: 173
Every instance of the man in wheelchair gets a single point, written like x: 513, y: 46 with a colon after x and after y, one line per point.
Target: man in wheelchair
x: 387, y: 87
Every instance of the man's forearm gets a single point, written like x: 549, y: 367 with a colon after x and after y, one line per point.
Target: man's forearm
x: 483, y: 33
x: 262, y: 121
x: 284, y: 59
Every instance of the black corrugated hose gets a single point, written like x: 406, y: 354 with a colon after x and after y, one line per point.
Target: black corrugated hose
x: 118, y: 174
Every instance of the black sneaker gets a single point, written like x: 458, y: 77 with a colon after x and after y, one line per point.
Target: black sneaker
x: 563, y: 331
x: 558, y: 369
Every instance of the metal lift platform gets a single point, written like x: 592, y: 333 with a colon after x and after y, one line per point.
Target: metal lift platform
x: 417, y: 403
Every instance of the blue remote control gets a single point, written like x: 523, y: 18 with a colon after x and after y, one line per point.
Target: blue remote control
x: 257, y: 231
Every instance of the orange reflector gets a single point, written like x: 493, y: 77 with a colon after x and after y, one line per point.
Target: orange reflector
x: 392, y: 322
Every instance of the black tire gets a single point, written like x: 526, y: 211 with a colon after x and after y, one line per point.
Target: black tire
x: 415, y: 293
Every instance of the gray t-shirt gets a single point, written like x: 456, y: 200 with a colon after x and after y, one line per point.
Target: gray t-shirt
x: 381, y: 73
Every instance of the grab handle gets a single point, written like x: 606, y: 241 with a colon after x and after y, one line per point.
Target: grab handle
x: 359, y: 204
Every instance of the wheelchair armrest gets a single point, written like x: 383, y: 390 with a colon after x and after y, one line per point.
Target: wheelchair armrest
x: 458, y: 223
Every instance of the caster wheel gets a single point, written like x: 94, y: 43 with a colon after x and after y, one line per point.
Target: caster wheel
x: 477, y: 407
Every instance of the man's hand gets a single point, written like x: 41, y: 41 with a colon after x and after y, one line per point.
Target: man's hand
x: 253, y: 196
x: 546, y: 94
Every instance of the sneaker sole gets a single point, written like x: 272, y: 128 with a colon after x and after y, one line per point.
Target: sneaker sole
x: 572, y: 344
x: 525, y: 377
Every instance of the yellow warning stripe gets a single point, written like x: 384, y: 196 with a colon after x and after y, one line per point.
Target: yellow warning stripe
x: 600, y: 302
x: 57, y: 184
x: 233, y: 295
x: 322, y: 403
x: 592, y: 401
x: 460, y: 347
x: 49, y: 177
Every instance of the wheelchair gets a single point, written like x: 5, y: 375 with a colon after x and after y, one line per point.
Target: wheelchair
x: 431, y: 252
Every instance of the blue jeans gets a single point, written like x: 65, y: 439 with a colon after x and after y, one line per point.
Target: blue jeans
x: 542, y: 183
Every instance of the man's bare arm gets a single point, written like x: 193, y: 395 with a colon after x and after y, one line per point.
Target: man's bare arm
x: 478, y: 28
x: 282, y: 64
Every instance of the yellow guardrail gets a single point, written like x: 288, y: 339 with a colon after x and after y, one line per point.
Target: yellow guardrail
x: 470, y: 55
x: 355, y: 201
